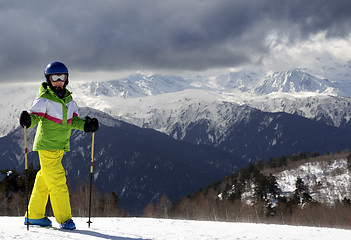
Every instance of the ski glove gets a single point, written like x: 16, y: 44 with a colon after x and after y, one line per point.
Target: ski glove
x: 91, y: 124
x: 25, y: 120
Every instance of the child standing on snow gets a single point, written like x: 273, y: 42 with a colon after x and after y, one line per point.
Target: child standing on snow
x: 55, y: 113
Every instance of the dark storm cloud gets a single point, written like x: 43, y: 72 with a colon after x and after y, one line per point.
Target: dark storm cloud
x: 156, y: 35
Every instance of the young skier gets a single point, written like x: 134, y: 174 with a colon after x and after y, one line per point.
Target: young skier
x: 55, y: 113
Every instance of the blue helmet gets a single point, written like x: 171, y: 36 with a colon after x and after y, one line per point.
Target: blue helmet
x: 53, y: 68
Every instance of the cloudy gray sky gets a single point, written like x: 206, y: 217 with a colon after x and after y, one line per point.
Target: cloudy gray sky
x: 100, y: 40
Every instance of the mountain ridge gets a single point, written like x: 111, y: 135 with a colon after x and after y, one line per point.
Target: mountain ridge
x: 136, y: 98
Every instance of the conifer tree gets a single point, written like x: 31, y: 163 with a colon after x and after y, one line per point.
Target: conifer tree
x: 301, y: 193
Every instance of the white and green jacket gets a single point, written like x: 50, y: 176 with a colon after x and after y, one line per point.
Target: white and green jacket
x: 56, y: 118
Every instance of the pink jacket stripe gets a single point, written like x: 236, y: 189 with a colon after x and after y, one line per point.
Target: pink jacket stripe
x: 53, y: 119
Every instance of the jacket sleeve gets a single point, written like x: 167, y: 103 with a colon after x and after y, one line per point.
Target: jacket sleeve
x: 77, y: 123
x: 37, y: 111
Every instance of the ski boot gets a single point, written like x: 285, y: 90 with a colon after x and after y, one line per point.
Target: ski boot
x: 69, y: 225
x: 43, y: 222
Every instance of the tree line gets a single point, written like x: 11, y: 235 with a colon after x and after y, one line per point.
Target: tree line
x: 13, y: 196
x: 227, y: 199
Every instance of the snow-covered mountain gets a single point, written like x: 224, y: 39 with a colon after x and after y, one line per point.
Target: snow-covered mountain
x: 331, y: 109
x: 136, y: 85
x: 295, y: 81
x: 161, y: 101
x: 151, y: 101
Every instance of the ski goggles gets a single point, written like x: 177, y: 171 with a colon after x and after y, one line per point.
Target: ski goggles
x: 58, y: 77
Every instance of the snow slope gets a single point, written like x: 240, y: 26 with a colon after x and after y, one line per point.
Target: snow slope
x: 146, y: 228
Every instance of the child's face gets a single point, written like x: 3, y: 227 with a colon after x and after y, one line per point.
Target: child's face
x: 58, y: 80
x: 59, y: 84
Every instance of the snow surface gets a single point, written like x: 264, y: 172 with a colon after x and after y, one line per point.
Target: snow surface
x: 147, y: 228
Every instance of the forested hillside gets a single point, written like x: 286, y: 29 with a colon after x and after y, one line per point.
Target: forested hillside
x: 303, y: 189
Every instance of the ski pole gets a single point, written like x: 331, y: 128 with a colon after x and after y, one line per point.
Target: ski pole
x: 91, y: 175
x: 26, y: 171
